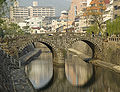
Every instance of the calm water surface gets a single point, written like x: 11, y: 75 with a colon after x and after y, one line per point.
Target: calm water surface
x: 75, y: 76
x: 40, y: 70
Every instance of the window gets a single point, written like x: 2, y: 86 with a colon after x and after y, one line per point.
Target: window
x: 115, y: 7
x: 92, y: 4
x: 93, y: 10
x: 75, y: 9
x: 115, y: 16
x: 101, y: 10
x: 100, y: 1
x: 34, y: 10
x: 84, y: 9
x: 39, y: 23
x: 100, y: 4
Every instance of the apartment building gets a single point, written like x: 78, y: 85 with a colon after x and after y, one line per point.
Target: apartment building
x: 64, y: 15
x: 19, y: 13
x: 75, y: 8
x: 116, y: 9
x: 112, y: 9
x: 97, y: 7
x: 108, y: 13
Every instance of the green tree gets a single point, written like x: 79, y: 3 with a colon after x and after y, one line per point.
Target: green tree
x: 93, y: 28
x: 12, y: 29
x: 1, y: 29
x: 4, y: 7
x: 26, y: 28
x: 112, y: 27
x: 1, y: 22
x: 94, y: 14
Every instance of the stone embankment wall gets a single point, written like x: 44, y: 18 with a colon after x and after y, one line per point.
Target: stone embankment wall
x: 25, y: 50
x: 7, y: 64
x: 111, y: 52
x: 12, y: 75
x: 27, y: 58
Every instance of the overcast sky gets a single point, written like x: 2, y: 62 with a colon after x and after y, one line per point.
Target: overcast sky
x: 58, y: 4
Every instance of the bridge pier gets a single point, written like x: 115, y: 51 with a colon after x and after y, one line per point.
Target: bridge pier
x: 59, y: 58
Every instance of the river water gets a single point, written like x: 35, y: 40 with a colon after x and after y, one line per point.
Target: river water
x: 75, y: 76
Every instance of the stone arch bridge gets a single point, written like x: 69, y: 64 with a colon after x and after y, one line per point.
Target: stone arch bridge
x: 59, y: 43
x: 13, y: 75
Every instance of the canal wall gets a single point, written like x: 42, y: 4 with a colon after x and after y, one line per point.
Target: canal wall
x: 12, y: 75
x: 7, y: 64
x: 25, y: 49
x: 27, y: 58
x: 111, y: 52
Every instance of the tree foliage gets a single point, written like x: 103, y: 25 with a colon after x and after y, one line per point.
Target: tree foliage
x: 9, y: 28
x: 4, y: 7
x: 26, y: 27
x: 1, y: 22
x: 113, y: 27
x: 96, y: 24
x: 93, y: 28
x: 94, y: 14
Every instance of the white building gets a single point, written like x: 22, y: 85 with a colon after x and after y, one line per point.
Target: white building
x: 19, y: 13
x: 35, y: 3
x: 56, y: 24
x: 22, y: 24
x: 64, y: 15
x: 108, y: 15
x: 88, y: 3
x: 35, y: 23
x: 81, y: 23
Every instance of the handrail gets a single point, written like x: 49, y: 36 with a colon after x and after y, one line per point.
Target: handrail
x: 115, y: 39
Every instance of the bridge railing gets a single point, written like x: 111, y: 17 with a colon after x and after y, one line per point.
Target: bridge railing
x: 115, y: 39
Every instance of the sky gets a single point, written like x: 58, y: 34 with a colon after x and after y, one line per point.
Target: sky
x: 58, y: 4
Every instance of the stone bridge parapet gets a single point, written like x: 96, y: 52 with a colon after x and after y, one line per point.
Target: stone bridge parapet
x: 56, y: 42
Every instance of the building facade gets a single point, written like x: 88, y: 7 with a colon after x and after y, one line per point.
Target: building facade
x: 75, y: 8
x: 116, y: 9
x: 19, y: 13
x: 64, y: 15
x: 36, y: 25
x: 108, y: 14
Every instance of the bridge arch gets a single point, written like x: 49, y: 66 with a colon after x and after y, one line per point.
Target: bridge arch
x: 92, y: 43
x: 57, y: 55
x: 49, y: 45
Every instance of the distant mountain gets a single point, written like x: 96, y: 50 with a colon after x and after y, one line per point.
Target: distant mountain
x: 58, y: 4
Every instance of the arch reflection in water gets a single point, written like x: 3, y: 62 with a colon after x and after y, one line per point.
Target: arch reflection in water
x: 78, y: 72
x: 40, y: 70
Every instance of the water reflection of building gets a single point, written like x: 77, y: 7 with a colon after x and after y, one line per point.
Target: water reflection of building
x: 41, y: 71
x: 104, y: 82
x: 78, y: 72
